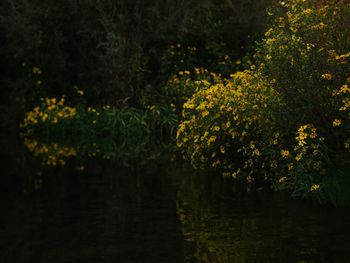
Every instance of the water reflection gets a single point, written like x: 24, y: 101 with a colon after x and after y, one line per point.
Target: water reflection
x: 149, y: 209
x: 109, y: 213
x: 51, y: 154
x: 58, y: 153
x: 223, y: 223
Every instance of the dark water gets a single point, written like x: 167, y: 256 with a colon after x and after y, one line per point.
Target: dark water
x: 155, y: 212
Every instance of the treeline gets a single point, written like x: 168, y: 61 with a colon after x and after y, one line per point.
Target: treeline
x: 118, y: 52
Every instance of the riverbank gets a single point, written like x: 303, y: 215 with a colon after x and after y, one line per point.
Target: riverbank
x: 279, y: 115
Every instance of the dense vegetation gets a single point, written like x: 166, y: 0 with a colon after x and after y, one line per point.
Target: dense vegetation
x: 119, y: 52
x: 257, y: 90
x: 285, y: 120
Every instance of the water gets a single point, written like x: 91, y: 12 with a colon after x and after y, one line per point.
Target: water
x: 96, y: 210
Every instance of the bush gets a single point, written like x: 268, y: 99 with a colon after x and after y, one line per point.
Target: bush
x: 306, y: 53
x: 286, y: 120
x: 224, y: 126
x: 53, y: 118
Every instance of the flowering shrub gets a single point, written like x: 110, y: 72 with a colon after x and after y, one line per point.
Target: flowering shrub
x: 286, y: 120
x: 306, y: 54
x: 223, y: 125
x: 341, y: 123
x: 306, y: 163
x: 51, y: 111
x: 182, y: 85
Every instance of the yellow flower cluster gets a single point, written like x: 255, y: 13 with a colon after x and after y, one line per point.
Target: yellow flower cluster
x: 173, y: 49
x: 285, y: 153
x: 327, y: 76
x: 51, y: 111
x: 337, y: 123
x: 79, y: 91
x: 243, y: 126
x: 306, y: 54
x: 36, y: 71
x: 221, y: 124
x: 343, y: 120
x: 308, y: 147
x: 179, y: 55
x: 36, y: 75
x: 226, y: 59
x: 314, y: 187
x: 181, y: 86
x: 229, y: 126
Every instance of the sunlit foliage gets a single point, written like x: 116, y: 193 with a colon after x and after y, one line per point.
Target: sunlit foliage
x: 286, y: 120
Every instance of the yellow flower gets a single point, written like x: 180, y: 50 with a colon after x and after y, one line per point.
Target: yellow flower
x: 80, y: 92
x: 256, y: 152
x: 347, y: 145
x: 282, y: 179
x: 314, y: 187
x: 212, y: 139
x: 36, y: 71
x: 249, y: 179
x: 337, y: 123
x: 290, y: 166
x: 222, y: 149
x: 285, y: 153
x: 236, y: 173
x: 298, y: 157
x: 326, y: 76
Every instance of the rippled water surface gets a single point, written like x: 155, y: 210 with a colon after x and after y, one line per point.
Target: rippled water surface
x: 100, y: 210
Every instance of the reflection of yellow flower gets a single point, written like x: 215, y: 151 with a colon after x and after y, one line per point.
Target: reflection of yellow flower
x: 51, y: 154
